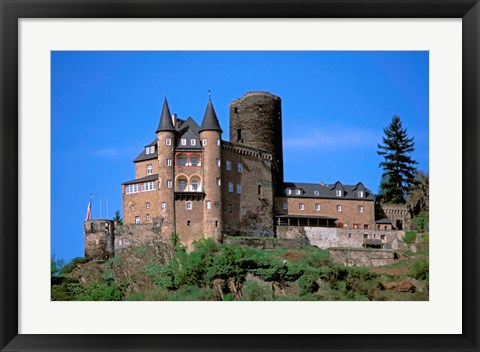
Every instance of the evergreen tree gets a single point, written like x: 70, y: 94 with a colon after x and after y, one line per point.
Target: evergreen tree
x: 117, y: 218
x: 398, y: 167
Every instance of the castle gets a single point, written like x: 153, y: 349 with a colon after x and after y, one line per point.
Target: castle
x: 191, y: 182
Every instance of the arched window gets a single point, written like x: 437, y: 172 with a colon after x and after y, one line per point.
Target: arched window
x: 194, y: 160
x: 195, y: 184
x: 182, y: 184
x: 182, y: 160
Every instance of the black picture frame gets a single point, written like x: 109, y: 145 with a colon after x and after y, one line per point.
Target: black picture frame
x: 11, y: 11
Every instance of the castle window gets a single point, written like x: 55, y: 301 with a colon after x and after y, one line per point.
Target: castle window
x: 182, y: 185
x: 169, y: 162
x: 339, y: 208
x: 360, y: 194
x: 149, y: 169
x: 217, y: 162
x: 374, y: 235
x: 229, y: 208
x: 209, y: 204
x: 219, y: 181
x: 316, y: 193
x: 164, y: 205
x: 132, y: 207
x: 137, y: 219
x: 193, y: 142
x: 301, y: 206
x: 239, y: 135
x: 289, y: 191
x: 239, y: 188
x: 228, y: 165
x: 147, y: 150
x: 168, y: 141
x: 230, y: 187
x: 382, y: 237
x: 259, y: 190
x: 360, y: 208
x: 285, y: 206
x: 298, y: 192
x: 366, y: 226
x: 365, y: 235
x: 317, y: 207
x: 216, y: 223
x: 194, y: 185
x: 194, y: 161
x: 349, y: 235
x: 338, y: 192
x: 355, y: 226
x: 147, y: 205
x: 204, y: 142
x: 244, y: 211
x: 217, y: 142
x: 148, y: 217
x: 149, y: 186
x: 169, y: 183
x: 182, y: 161
x: 152, y: 149
x: 188, y: 222
x: 239, y: 168
x: 183, y: 141
x: 188, y: 205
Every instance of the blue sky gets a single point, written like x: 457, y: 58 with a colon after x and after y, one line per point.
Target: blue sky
x: 106, y: 107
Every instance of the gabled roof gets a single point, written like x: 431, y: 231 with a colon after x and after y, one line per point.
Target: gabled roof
x: 318, y: 190
x: 144, y: 156
x: 210, y: 121
x: 165, y: 123
x: 148, y: 178
x: 188, y: 130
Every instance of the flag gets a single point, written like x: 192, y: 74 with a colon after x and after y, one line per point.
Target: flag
x: 89, y: 210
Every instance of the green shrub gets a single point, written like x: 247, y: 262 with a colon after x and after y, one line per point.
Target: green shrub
x: 253, y: 291
x: 99, y: 291
x: 410, y: 237
x: 419, y: 269
x: 136, y: 296
x: 307, y: 283
x: 193, y: 293
x: 421, y: 222
x: 67, y: 269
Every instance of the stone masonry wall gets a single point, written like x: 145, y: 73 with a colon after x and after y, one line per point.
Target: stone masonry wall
x: 256, y: 192
x: 362, y: 257
x: 328, y: 237
x: 98, y: 239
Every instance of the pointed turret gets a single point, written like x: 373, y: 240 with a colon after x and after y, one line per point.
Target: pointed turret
x: 165, y: 119
x: 210, y: 121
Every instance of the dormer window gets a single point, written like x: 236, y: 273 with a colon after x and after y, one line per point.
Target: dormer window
x: 298, y: 192
x: 183, y: 141
x: 360, y: 194
x: 338, y: 192
x: 152, y: 149
x: 147, y: 150
x: 193, y: 142
x: 316, y: 193
x: 289, y: 191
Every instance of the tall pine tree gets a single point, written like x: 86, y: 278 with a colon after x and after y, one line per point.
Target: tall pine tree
x: 398, y: 167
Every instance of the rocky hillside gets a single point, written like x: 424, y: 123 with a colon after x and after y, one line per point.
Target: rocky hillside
x: 212, y: 271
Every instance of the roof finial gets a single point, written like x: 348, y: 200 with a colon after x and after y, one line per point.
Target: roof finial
x: 165, y: 95
x: 209, y: 94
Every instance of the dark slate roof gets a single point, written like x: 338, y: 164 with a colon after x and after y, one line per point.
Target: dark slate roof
x: 188, y: 130
x: 210, y: 121
x: 144, y: 156
x: 165, y: 123
x: 148, y: 178
x: 383, y: 221
x: 321, y: 190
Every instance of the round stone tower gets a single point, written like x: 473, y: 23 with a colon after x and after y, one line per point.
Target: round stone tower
x: 256, y: 121
x: 166, y: 142
x: 99, y: 239
x: 210, y: 137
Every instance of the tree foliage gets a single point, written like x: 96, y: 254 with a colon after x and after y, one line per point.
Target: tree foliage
x: 117, y: 218
x: 398, y: 166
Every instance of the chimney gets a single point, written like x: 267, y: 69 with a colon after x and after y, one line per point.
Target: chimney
x: 174, y: 120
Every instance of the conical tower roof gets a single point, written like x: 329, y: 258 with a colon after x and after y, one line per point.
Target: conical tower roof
x: 165, y: 123
x: 210, y: 121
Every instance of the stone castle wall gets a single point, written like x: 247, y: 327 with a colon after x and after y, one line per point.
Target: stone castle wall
x: 362, y: 257
x: 328, y: 237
